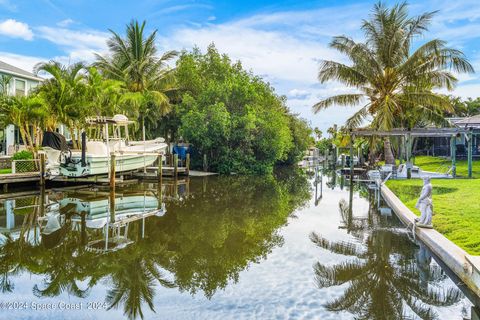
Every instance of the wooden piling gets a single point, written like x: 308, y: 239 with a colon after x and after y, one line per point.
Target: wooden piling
x: 112, y: 170
x: 187, y: 164
x: 160, y: 168
x: 470, y: 154
x: 352, y: 137
x: 42, y: 169
x: 453, y: 153
x: 175, y: 165
x: 112, y: 190
x: 205, y: 164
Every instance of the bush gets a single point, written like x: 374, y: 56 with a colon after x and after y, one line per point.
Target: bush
x: 235, y: 118
x: 23, y: 155
x: 24, y: 166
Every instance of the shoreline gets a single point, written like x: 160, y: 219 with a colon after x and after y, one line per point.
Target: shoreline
x: 464, y: 265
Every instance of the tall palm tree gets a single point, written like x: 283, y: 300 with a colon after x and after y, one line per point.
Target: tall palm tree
x: 382, y: 278
x: 64, y: 92
x: 134, y: 60
x: 393, y: 84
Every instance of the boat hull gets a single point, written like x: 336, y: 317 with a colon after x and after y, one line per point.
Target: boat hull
x: 98, y: 165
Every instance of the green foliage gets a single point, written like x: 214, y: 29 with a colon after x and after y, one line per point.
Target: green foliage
x: 23, y: 155
x: 234, y: 117
x: 464, y: 108
x: 324, y: 144
x: 395, y: 85
x: 24, y: 166
x: 149, y: 81
x: 302, y: 139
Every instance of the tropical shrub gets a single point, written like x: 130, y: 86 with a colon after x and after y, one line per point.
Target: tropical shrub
x: 234, y: 117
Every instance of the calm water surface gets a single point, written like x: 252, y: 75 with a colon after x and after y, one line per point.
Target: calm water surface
x: 226, y: 248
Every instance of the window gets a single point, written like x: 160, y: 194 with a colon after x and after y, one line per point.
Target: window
x: 32, y: 86
x: 19, y: 87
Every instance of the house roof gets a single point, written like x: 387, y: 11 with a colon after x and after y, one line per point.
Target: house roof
x: 12, y: 70
x: 471, y: 121
x: 466, y: 122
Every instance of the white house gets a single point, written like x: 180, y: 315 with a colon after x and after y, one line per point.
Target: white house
x: 20, y: 84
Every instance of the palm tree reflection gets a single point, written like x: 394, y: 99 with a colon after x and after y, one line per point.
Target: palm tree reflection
x: 388, y: 277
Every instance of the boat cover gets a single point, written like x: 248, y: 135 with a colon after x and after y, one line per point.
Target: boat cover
x: 54, y: 140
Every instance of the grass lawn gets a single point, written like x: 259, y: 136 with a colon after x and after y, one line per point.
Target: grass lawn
x: 456, y: 206
x: 4, y: 171
x: 435, y: 164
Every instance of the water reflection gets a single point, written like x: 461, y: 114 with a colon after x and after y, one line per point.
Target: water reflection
x: 79, y: 239
x: 389, y: 277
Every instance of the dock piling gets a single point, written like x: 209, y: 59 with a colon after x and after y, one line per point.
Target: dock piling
x: 42, y: 169
x: 160, y: 167
x: 112, y: 170
x: 175, y: 165
x: 187, y: 164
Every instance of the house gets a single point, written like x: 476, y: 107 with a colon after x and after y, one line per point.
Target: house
x: 18, y: 82
x: 440, y: 146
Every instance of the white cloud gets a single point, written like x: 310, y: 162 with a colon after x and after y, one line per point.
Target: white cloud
x: 78, y: 44
x: 20, y: 61
x: 16, y: 29
x: 65, y: 23
x: 298, y: 94
x: 285, y: 47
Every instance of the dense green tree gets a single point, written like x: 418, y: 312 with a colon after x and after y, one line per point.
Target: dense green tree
x: 232, y: 116
x: 396, y: 83
x: 302, y: 138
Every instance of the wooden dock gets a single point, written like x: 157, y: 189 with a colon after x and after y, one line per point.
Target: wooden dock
x: 19, y: 177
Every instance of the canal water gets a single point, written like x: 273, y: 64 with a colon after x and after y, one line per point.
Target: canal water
x: 217, y: 248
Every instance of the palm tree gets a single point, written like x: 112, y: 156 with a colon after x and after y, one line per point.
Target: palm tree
x: 393, y: 84
x: 147, y: 76
x: 29, y: 114
x: 382, y: 278
x: 64, y: 92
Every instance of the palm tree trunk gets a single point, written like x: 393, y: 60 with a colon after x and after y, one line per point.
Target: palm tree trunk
x: 72, y: 135
x: 387, y: 149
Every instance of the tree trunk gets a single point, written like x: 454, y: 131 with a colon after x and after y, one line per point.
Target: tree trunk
x: 72, y: 134
x: 387, y: 148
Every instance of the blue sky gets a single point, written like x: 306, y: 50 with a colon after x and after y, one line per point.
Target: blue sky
x: 283, y: 41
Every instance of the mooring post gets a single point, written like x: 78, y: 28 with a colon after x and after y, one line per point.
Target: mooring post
x: 42, y: 169
x: 187, y: 164
x: 175, y: 164
x: 205, y: 164
x: 453, y: 154
x: 470, y: 153
x: 160, y: 168
x: 408, y: 155
x: 352, y: 137
x: 112, y: 171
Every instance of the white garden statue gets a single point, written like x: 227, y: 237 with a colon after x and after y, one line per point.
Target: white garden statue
x: 425, y: 205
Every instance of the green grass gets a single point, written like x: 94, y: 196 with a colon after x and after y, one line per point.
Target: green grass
x: 441, y: 165
x: 5, y: 171
x: 456, y: 206
x: 435, y: 164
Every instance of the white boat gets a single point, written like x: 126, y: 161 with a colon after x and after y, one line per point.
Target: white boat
x: 97, y: 211
x: 95, y: 156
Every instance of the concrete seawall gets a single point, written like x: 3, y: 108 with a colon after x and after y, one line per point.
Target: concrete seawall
x: 465, y: 266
